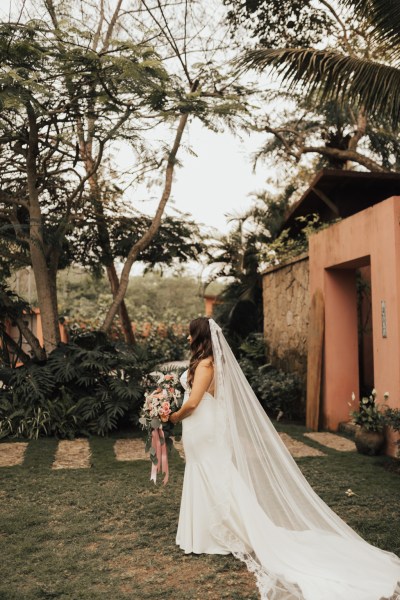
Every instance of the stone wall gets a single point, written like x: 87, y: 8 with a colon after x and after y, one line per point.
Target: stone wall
x: 286, y: 315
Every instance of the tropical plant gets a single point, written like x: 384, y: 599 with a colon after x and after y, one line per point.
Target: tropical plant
x: 363, y: 82
x: 236, y: 257
x: 85, y: 387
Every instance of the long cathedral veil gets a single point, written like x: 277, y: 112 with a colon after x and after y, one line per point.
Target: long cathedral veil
x: 279, y: 488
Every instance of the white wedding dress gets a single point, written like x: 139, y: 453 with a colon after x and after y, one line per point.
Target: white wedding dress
x: 295, y: 544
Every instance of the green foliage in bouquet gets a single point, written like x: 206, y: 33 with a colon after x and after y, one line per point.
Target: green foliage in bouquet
x: 85, y: 387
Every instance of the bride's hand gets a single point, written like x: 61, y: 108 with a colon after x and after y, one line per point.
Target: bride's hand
x: 173, y: 418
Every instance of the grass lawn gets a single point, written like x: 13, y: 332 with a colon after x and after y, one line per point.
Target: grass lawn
x: 107, y: 532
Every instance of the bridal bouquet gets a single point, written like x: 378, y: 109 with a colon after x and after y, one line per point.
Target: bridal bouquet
x: 158, y: 405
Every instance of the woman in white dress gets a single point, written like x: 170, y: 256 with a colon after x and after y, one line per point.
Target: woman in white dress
x: 244, y: 494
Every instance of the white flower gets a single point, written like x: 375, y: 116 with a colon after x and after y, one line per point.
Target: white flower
x: 350, y: 493
x: 373, y: 392
x: 353, y: 396
x: 386, y: 395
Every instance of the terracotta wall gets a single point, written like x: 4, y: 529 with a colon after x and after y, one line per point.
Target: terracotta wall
x: 35, y: 324
x: 286, y: 313
x: 371, y: 237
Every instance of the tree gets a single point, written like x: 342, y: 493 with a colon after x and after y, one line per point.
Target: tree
x: 338, y: 137
x: 237, y: 258
x: 365, y: 82
x: 334, y: 131
x: 86, y: 125
x: 43, y: 187
x: 179, y: 33
x: 65, y: 102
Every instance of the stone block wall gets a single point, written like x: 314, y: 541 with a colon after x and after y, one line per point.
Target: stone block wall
x: 286, y: 315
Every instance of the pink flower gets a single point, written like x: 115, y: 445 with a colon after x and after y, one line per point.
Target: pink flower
x: 164, y: 411
x: 168, y: 377
x: 166, y: 407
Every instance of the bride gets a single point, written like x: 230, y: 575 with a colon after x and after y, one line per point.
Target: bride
x: 244, y: 494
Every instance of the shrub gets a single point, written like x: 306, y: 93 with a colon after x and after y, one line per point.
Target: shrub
x: 167, y: 346
x: 85, y: 387
x: 279, y: 393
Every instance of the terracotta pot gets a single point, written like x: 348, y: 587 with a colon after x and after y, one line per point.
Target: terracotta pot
x: 369, y: 442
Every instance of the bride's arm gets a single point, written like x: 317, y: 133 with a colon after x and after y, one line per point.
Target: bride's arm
x: 201, y: 382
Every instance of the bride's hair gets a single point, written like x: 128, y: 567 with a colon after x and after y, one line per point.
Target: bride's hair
x: 200, y: 346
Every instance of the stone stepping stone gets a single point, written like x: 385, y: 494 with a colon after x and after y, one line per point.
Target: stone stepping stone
x: 12, y: 454
x: 331, y: 440
x: 132, y: 449
x: 297, y: 449
x: 72, y: 454
x: 129, y: 450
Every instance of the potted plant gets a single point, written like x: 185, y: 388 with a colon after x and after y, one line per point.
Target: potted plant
x: 393, y: 421
x: 371, y: 420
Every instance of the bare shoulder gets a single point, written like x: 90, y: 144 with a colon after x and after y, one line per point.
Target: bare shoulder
x: 206, y: 362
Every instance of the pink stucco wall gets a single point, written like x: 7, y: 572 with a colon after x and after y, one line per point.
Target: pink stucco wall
x: 369, y: 237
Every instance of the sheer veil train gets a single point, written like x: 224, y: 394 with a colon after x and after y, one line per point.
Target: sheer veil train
x: 295, y: 544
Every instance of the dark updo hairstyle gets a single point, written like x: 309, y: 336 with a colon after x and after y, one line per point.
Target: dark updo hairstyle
x: 200, y: 346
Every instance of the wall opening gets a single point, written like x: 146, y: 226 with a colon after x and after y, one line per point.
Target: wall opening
x: 348, y: 354
x: 365, y: 330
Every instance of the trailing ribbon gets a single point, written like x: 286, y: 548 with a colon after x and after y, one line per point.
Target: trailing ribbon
x: 159, y: 445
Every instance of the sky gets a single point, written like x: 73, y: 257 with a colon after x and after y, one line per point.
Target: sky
x: 214, y: 183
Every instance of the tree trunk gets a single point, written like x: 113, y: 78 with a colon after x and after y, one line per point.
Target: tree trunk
x: 45, y: 279
x: 85, y: 149
x: 126, y: 322
x: 358, y: 135
x: 47, y: 299
x: 145, y: 240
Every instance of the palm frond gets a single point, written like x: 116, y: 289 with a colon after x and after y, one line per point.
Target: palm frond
x: 384, y: 16
x: 328, y: 75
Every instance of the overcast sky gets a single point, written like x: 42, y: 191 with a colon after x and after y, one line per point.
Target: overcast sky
x: 215, y: 182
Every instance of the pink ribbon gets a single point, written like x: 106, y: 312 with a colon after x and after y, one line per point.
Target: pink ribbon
x: 159, y: 445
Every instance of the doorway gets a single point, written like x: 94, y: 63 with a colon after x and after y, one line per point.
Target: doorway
x: 365, y: 330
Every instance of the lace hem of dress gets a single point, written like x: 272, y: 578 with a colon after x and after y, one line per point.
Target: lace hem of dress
x: 270, y: 586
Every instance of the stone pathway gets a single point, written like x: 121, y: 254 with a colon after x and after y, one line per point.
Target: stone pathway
x: 76, y: 454
x: 132, y: 449
x: 297, y: 449
x: 72, y: 454
x: 12, y: 454
x: 331, y: 440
